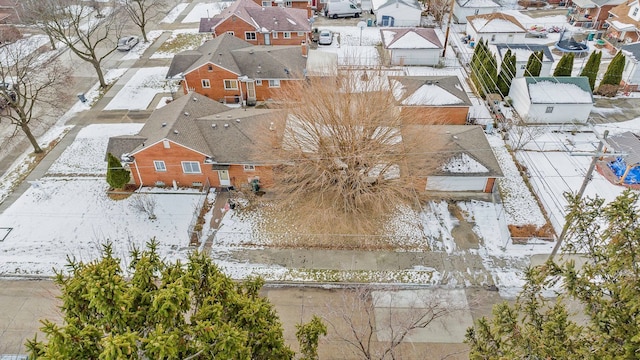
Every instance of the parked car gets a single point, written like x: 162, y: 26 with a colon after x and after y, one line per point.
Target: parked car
x: 128, y: 42
x: 325, y: 37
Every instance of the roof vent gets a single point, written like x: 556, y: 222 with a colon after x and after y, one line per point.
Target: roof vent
x: 251, y: 51
x: 214, y: 126
x: 218, y: 116
x: 164, y: 124
x: 455, y: 137
x: 226, y: 125
x: 229, y: 116
x: 186, y: 113
x: 238, y: 120
x: 176, y: 132
x: 195, y: 99
x: 272, y: 126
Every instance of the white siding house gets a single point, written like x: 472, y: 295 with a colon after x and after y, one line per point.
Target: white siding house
x: 397, y: 12
x: 412, y: 46
x: 464, y: 8
x: 496, y: 28
x: 631, y: 73
x: 522, y: 52
x: 553, y: 100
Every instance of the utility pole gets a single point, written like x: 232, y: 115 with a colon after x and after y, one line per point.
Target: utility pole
x: 446, y: 35
x: 586, y: 180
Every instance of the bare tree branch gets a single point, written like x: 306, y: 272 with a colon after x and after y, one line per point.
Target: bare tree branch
x: 141, y: 12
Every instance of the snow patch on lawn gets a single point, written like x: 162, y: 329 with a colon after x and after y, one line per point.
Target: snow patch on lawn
x: 138, y: 92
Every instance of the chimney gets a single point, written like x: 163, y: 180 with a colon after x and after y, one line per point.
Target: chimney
x: 305, y: 49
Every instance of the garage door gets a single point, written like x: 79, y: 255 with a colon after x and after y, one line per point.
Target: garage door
x: 448, y: 183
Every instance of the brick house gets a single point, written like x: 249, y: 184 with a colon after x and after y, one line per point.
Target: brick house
x: 434, y: 99
x: 193, y: 141
x: 258, y: 25
x: 591, y: 14
x: 296, y: 4
x: 228, y: 69
x: 623, y: 24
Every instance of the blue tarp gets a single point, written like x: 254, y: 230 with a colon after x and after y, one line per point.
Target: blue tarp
x: 619, y: 166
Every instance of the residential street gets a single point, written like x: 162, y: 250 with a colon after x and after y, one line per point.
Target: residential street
x: 25, y: 302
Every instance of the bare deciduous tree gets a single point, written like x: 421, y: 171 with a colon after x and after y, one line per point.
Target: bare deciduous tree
x: 32, y: 86
x: 145, y: 203
x: 71, y: 22
x: 343, y: 155
x: 522, y: 134
x: 438, y: 8
x: 143, y: 11
x: 368, y: 321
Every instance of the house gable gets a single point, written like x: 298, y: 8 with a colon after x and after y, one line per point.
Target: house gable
x: 412, y: 38
x: 495, y: 23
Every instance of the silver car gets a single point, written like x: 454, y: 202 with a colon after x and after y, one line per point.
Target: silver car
x: 128, y: 42
x: 325, y: 37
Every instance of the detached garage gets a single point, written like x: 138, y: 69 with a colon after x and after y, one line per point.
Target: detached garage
x: 455, y: 158
x: 412, y: 46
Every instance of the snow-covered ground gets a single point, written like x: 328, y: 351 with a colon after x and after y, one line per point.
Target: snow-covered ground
x: 68, y: 212
x: 208, y: 9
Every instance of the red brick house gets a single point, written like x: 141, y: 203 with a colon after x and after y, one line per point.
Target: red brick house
x: 228, y: 69
x: 194, y: 141
x: 258, y: 25
x: 433, y: 99
x: 623, y: 24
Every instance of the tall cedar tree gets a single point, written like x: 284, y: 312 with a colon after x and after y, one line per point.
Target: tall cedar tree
x: 117, y: 176
x: 534, y: 64
x: 613, y: 75
x: 607, y: 239
x: 160, y: 310
x: 507, y: 72
x: 565, y: 65
x: 590, y: 69
x: 483, y: 69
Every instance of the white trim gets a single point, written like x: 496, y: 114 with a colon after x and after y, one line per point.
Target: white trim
x: 206, y: 84
x: 184, y: 170
x: 231, y: 82
x: 159, y: 165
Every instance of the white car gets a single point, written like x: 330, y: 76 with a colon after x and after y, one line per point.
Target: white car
x: 127, y: 43
x: 325, y: 37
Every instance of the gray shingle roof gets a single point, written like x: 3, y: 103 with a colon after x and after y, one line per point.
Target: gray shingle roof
x: 123, y: 144
x: 632, y: 49
x: 188, y: 121
x: 270, y: 18
x: 450, y: 84
x: 628, y: 143
x: 242, y: 58
x: 436, y: 145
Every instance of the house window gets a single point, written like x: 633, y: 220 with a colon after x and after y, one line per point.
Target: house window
x: 210, y: 68
x: 250, y: 35
x: 206, y: 83
x: 274, y: 34
x: 549, y: 109
x: 523, y: 67
x: 274, y: 83
x: 476, y: 12
x: 231, y: 84
x: 300, y: 33
x: 286, y: 35
x: 191, y: 167
x: 266, y: 3
x: 165, y: 144
x: 249, y: 167
x: 288, y: 3
x: 493, y: 37
x: 635, y: 12
x: 231, y: 33
x: 159, y: 165
x: 258, y: 82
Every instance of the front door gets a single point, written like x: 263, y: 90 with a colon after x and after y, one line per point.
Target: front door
x: 267, y: 38
x: 224, y: 177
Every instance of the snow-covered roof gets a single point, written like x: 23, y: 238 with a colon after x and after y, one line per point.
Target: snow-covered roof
x: 523, y: 51
x: 632, y: 51
x: 463, y: 163
x: 377, y: 4
x: 410, y: 38
x: 429, y: 91
x: 628, y: 143
x: 478, y: 4
x: 496, y: 23
x: 620, y: 26
x: 559, y: 90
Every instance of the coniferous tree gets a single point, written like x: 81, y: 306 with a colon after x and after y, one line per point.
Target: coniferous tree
x: 534, y: 64
x: 507, y: 72
x: 613, y: 75
x: 607, y: 237
x: 117, y: 176
x: 160, y: 310
x: 565, y: 65
x: 483, y: 69
x: 590, y: 69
